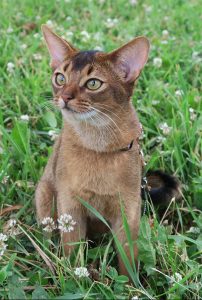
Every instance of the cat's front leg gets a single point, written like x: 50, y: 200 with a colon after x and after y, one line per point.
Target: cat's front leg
x: 44, y: 197
x: 72, y: 220
x: 45, y: 191
x: 133, y: 218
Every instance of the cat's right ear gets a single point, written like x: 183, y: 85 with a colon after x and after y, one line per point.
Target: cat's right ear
x: 58, y: 48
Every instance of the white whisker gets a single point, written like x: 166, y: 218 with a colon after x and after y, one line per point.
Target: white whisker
x: 107, y: 117
x: 108, y: 110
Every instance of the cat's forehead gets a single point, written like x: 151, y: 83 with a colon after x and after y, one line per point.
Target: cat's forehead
x: 83, y: 60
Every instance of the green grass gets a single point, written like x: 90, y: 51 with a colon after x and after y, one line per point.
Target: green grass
x: 33, y: 266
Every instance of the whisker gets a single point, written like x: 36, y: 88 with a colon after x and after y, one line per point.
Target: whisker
x: 109, y: 106
x: 108, y: 110
x: 108, y: 127
x: 48, y: 105
x: 108, y: 118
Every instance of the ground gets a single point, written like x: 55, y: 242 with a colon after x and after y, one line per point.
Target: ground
x: 168, y: 102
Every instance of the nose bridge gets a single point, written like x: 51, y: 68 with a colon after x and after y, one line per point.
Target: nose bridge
x: 70, y: 92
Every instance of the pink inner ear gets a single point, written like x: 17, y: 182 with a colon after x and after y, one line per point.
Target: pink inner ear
x: 134, y: 62
x: 131, y: 58
x: 58, y: 48
x: 58, y: 52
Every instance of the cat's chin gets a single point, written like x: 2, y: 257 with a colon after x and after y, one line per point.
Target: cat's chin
x: 72, y: 116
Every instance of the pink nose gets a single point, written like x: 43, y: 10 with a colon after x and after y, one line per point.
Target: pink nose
x: 67, y: 97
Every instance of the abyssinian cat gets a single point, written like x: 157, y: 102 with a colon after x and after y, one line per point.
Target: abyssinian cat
x: 96, y: 157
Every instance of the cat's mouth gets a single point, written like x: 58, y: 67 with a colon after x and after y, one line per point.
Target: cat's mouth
x: 68, y: 112
x: 70, y: 109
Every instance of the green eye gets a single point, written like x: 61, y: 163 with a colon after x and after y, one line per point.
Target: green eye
x: 60, y: 79
x: 93, y: 84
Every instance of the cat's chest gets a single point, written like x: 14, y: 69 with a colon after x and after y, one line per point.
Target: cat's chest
x: 100, y: 173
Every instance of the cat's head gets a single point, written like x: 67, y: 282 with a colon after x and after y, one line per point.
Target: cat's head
x: 88, y: 85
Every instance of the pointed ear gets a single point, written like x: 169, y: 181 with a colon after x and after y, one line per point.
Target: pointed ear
x: 58, y: 48
x: 130, y: 59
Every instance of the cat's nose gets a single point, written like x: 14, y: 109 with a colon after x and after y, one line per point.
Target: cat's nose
x: 67, y: 97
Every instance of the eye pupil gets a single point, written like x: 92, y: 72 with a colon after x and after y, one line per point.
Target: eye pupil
x: 60, y: 79
x: 93, y: 84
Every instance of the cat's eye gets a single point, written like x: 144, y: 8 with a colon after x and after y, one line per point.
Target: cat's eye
x: 60, y: 79
x: 93, y: 84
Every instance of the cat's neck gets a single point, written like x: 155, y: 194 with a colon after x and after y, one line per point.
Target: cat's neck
x: 115, y: 134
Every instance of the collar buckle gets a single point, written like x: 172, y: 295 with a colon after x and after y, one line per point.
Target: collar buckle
x: 128, y: 147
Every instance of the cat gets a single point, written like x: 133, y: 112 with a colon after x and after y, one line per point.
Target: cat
x: 97, y: 156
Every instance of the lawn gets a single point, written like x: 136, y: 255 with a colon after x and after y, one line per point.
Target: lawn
x: 168, y: 102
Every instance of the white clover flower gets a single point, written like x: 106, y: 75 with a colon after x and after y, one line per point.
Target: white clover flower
x: 53, y: 134
x: 155, y: 102
x: 24, y: 118
x: 48, y: 224
x: 165, y: 128
x: 195, y: 230
x: 9, y: 30
x: 10, y: 67
x: 23, y: 46
x: 196, y: 57
x: 85, y: 36
x: 5, y: 179
x: 111, y: 22
x: 133, y: 2
x: 36, y: 35
x: 166, y: 18
x: 157, y: 62
x: 165, y: 222
x: 81, y: 272
x: 165, y: 34
x: 134, y: 298
x: 49, y: 23
x: 179, y: 93
x: 37, y: 56
x: 66, y: 223
x: 98, y: 48
x: 176, y: 277
x: 69, y: 34
x: 164, y: 42
x: 3, y: 237
x: 147, y: 9
x: 12, y: 223
x: 3, y: 245
x: 193, y: 115
x: 68, y: 18
x: 12, y: 228
x: 160, y: 139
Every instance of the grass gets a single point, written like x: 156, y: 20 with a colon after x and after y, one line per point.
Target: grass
x: 33, y: 266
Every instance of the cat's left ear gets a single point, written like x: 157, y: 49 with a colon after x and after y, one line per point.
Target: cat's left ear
x: 130, y: 59
x: 58, y: 48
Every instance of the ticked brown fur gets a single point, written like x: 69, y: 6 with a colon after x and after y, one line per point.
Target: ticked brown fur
x: 87, y: 161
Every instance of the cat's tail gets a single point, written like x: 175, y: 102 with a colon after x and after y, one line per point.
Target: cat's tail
x: 161, y: 187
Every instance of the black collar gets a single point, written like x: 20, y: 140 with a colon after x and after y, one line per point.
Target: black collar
x: 128, y: 147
